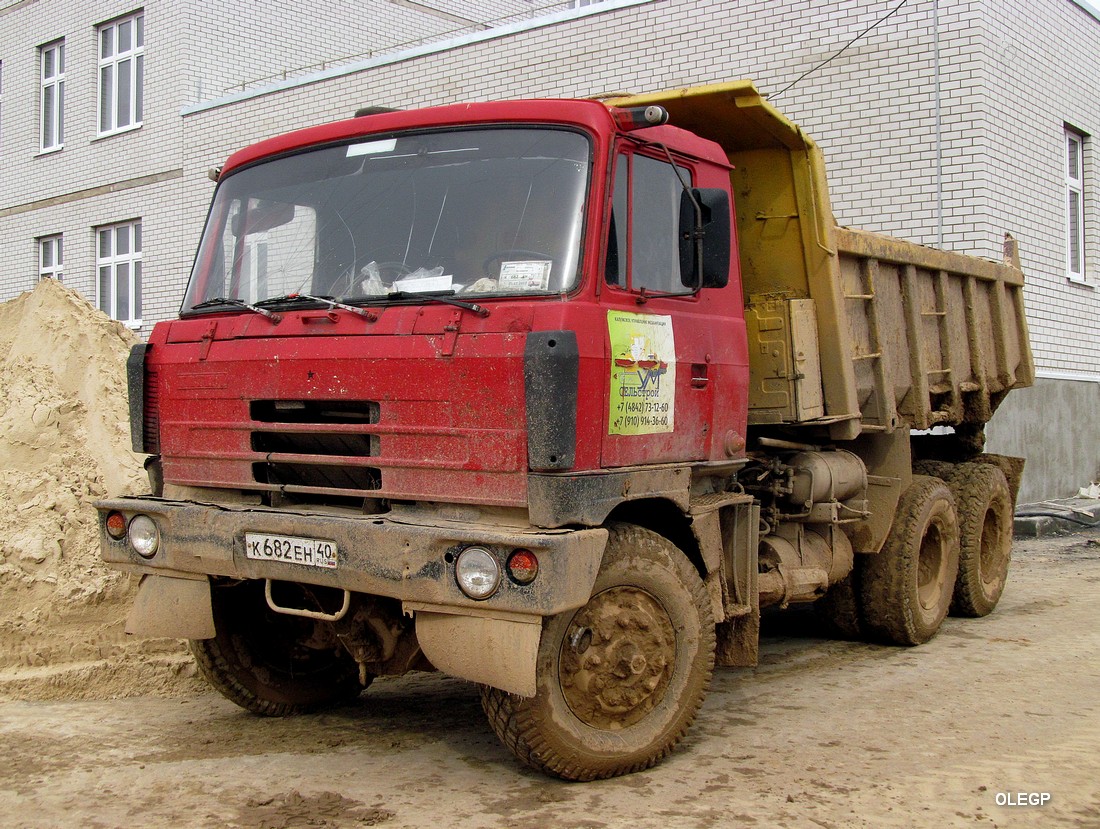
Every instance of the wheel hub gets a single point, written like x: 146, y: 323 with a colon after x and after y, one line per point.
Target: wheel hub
x: 617, y: 658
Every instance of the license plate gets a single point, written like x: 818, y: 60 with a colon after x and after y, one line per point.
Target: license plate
x: 311, y: 552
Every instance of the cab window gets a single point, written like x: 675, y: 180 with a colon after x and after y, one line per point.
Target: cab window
x: 643, y: 244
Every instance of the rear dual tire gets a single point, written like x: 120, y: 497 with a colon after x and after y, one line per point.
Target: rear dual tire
x: 839, y: 609
x: 983, y: 501
x: 985, y: 509
x: 907, y: 587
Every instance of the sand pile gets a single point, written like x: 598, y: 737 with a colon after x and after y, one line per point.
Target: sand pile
x: 64, y: 442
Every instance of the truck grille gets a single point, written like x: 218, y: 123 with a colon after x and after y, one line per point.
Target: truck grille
x: 316, y: 445
x: 315, y: 411
x: 151, y: 409
x: 317, y: 476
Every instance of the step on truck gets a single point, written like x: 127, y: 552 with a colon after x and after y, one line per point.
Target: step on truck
x: 554, y: 396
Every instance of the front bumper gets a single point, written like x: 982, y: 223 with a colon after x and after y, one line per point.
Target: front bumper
x: 408, y: 558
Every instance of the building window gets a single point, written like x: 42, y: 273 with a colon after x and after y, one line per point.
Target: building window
x: 52, y: 62
x: 118, y: 260
x: 51, y: 257
x: 121, y: 73
x: 1075, y: 203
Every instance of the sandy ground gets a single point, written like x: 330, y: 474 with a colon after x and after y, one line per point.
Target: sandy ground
x: 821, y: 734
x: 100, y: 730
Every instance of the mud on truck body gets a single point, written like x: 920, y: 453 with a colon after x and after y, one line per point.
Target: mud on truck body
x: 554, y: 396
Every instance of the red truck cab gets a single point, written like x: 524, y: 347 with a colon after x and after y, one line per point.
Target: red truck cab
x: 545, y: 215
x: 427, y: 365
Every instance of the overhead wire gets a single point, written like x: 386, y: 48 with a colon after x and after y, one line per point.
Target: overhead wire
x: 843, y: 49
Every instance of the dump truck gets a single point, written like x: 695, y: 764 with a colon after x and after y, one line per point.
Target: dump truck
x: 554, y: 396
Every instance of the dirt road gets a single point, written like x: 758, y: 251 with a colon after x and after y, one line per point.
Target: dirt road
x: 822, y: 734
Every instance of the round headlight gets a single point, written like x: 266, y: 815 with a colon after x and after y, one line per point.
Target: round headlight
x: 144, y: 536
x: 477, y: 572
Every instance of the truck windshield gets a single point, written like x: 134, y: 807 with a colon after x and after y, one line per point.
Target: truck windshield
x: 473, y: 212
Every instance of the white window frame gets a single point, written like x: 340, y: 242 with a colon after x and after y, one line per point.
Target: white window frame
x: 116, y: 262
x: 1075, y: 205
x: 51, y: 257
x: 51, y: 98
x: 115, y: 115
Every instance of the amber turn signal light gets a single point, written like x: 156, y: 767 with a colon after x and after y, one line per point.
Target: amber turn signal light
x: 523, y: 567
x: 116, y: 525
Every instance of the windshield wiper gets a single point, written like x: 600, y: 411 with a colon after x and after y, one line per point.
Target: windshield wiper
x: 447, y: 298
x: 236, y: 303
x: 324, y: 300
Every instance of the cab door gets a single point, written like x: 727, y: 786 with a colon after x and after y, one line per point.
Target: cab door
x: 662, y: 339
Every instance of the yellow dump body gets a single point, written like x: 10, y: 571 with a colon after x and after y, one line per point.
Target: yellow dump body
x: 857, y: 331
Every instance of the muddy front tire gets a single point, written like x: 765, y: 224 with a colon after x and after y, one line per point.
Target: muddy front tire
x: 621, y: 679
x: 907, y: 586
x: 270, y: 663
x: 984, y: 505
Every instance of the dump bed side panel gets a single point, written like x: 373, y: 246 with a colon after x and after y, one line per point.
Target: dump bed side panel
x: 936, y: 338
x: 907, y: 336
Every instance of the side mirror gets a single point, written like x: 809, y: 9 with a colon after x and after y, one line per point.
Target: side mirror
x: 705, y: 238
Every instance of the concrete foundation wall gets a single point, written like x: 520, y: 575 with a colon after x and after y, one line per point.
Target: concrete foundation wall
x: 1054, y: 425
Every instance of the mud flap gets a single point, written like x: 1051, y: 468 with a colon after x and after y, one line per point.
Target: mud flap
x: 173, y: 608
x: 738, y: 637
x: 498, y: 652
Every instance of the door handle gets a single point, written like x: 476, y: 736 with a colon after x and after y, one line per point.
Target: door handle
x: 698, y: 375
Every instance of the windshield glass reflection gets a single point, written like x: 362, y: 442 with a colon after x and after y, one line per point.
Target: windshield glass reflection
x: 478, y: 212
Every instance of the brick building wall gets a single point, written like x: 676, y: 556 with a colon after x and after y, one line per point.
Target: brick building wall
x: 193, y: 51
x: 1012, y: 73
x: 92, y: 180
x: 955, y: 156
x: 235, y: 47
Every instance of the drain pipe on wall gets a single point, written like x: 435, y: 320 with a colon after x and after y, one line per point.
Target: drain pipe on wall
x: 939, y: 121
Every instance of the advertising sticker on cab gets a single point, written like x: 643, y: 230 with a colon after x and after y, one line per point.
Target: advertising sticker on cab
x: 643, y: 374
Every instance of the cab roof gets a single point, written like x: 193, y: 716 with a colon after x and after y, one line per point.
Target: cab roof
x: 590, y: 115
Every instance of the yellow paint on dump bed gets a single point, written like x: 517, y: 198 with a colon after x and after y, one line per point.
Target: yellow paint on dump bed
x: 909, y: 336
